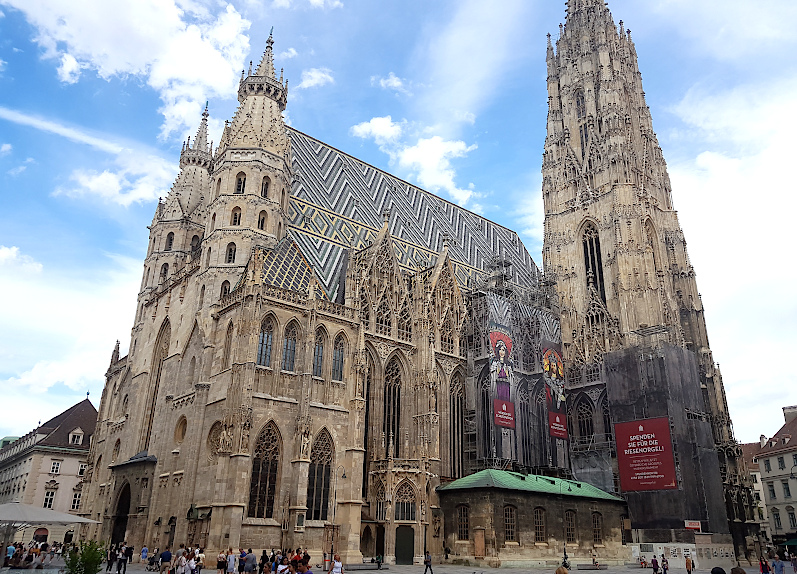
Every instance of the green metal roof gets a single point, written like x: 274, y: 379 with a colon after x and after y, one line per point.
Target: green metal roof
x: 506, y: 480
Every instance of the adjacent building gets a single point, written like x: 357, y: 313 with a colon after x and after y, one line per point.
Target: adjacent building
x: 46, y: 468
x: 759, y: 507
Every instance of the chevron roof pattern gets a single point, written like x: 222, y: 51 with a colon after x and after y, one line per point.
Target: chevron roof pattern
x: 337, y: 203
x: 286, y: 267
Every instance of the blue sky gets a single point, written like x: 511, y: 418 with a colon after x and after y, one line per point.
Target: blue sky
x: 96, y: 98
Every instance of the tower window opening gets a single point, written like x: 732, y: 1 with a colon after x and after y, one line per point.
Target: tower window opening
x: 225, y: 288
x: 230, y: 258
x: 164, y: 272
x: 235, y: 218
x: 169, y: 241
x: 593, y: 263
x: 240, y: 182
x: 261, y: 220
x: 264, y: 187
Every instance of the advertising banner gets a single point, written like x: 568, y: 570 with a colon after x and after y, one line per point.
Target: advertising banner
x: 644, y: 455
x: 504, y: 413
x: 554, y: 376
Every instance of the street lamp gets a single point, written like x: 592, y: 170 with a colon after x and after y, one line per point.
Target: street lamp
x: 335, y: 506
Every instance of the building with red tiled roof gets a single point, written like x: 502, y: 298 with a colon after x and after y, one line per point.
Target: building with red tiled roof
x: 46, y: 467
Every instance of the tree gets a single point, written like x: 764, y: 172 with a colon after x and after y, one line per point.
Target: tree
x: 85, y: 559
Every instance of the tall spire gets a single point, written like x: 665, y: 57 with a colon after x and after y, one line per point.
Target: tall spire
x: 199, y: 153
x: 266, y: 66
x: 201, y: 139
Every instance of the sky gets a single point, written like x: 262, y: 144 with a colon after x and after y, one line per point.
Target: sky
x: 96, y: 98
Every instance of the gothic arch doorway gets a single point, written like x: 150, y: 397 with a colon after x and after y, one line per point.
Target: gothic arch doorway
x: 405, y: 544
x: 121, y: 514
x: 367, y: 542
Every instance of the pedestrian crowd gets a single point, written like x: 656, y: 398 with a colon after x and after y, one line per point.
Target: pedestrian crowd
x: 34, y: 555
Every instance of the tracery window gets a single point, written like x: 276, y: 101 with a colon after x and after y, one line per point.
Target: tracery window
x: 404, y: 323
x: 289, y: 347
x: 539, y: 525
x: 570, y: 526
x: 116, y: 447
x: 392, y: 418
x: 337, y: 358
x: 383, y: 319
x: 318, y: 480
x: 318, y: 355
x: 593, y: 263
x: 264, y: 343
x: 240, y: 182
x: 405, y: 502
x: 265, y: 465
x: 457, y: 432
x: 169, y: 241
x: 235, y: 218
x: 447, y: 335
x: 586, y: 427
x: 510, y: 524
x: 381, y: 513
x: 228, y: 347
x: 230, y: 258
x: 463, y: 522
x: 597, y: 528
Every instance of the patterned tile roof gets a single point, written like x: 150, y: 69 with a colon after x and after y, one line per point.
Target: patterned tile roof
x: 506, y: 480
x: 337, y: 203
x: 285, y: 267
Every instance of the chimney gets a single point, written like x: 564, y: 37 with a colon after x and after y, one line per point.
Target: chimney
x: 762, y: 440
x: 790, y: 413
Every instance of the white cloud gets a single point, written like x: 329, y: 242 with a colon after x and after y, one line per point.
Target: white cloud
x: 78, y: 336
x: 138, y: 175
x: 20, y: 168
x: 288, y: 54
x: 5, y: 149
x: 315, y: 77
x: 383, y: 130
x: 313, y: 3
x: 735, y: 204
x: 430, y: 161
x: 12, y: 259
x: 3, y: 64
x: 69, y: 70
x: 181, y: 50
x: 392, y: 82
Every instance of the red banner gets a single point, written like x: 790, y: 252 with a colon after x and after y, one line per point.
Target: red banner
x: 557, y: 424
x: 644, y: 455
x: 504, y: 413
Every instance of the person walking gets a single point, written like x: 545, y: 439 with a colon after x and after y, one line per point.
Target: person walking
x: 337, y: 566
x: 777, y: 565
x: 427, y: 562
x: 282, y: 567
x: 144, y: 553
x: 165, y: 561
x: 250, y: 562
x: 665, y: 564
x: 230, y: 561
x: 221, y: 562
x: 688, y: 565
x: 110, y: 557
x: 763, y: 565
x: 654, y: 563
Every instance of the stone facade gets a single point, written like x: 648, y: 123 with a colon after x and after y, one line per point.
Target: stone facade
x: 615, y: 248
x: 46, y: 468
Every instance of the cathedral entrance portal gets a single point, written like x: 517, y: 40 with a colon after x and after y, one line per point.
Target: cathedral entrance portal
x: 380, y: 540
x: 120, y: 516
x: 405, y: 544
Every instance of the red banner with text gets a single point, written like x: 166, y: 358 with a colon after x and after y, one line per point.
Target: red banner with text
x: 644, y: 455
x: 504, y: 413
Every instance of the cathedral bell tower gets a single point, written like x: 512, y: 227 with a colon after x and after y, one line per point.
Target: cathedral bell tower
x: 616, y: 251
x: 251, y: 176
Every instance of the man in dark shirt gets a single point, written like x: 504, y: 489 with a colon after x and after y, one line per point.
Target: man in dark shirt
x: 303, y: 567
x: 166, y: 560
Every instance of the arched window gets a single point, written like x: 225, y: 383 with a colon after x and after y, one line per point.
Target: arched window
x: 218, y: 187
x: 457, y: 429
x: 235, y: 218
x: 213, y: 219
x: 463, y: 344
x: 240, y: 182
x: 404, y: 322
x: 264, y: 342
x: 597, y: 528
x: 318, y: 354
x: 230, y: 257
x: 365, y: 310
x: 207, y: 258
x: 225, y: 288
x: 265, y: 464
x: 337, y: 358
x: 570, y: 526
x: 510, y: 524
x: 195, y: 246
x: 261, y: 220
x: 447, y: 335
x: 383, y: 319
x: 381, y: 512
x: 539, y: 525
x: 392, y: 418
x: 289, y: 347
x: 164, y: 272
x: 228, y: 347
x: 584, y: 420
x: 264, y: 187
x: 201, y: 296
x: 169, y: 241
x: 593, y: 264
x: 581, y: 105
x: 318, y: 480
x: 463, y: 522
x: 115, y: 453
x: 405, y: 502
